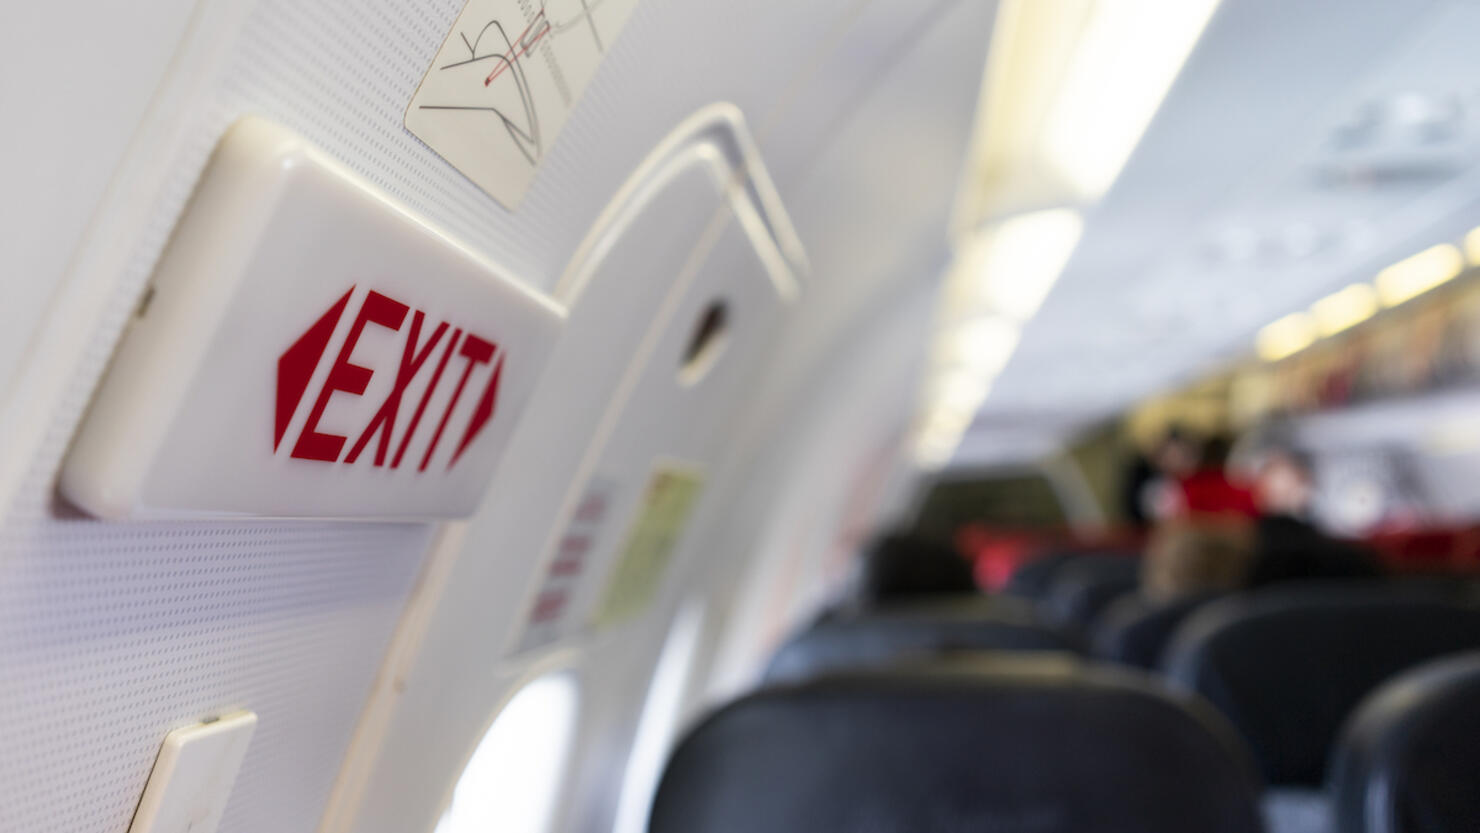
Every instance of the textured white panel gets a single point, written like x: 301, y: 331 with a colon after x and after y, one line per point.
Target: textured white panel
x: 90, y: 111
x: 112, y: 635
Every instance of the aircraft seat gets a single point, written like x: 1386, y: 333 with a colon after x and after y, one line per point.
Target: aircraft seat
x: 1043, y: 744
x: 902, y: 630
x: 1083, y: 588
x: 1409, y: 759
x: 1287, y: 664
x: 898, y: 566
x: 1136, y: 631
x: 1031, y: 578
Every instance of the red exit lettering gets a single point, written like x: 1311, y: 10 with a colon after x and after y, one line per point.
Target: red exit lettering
x: 428, y: 351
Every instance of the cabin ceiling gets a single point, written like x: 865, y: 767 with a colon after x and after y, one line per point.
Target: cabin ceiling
x: 1302, y: 148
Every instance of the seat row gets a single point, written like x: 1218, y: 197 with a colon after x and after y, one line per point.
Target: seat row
x: 981, y: 713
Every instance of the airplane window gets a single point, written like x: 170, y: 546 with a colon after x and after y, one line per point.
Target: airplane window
x: 660, y: 716
x: 511, y: 782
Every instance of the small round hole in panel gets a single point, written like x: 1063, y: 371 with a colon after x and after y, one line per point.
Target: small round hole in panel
x: 710, y: 335
x: 514, y: 777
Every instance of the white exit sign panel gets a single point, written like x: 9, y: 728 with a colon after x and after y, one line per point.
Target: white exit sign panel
x: 308, y: 349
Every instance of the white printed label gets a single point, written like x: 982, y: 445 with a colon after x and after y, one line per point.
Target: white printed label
x: 505, y: 81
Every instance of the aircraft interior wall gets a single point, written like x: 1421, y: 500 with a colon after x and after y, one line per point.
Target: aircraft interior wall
x: 710, y: 416
x: 802, y: 191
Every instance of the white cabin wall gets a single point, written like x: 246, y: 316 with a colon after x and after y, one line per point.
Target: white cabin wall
x: 114, y: 633
x: 789, y: 544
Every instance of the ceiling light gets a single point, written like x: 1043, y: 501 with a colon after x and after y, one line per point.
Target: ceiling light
x: 934, y: 450
x: 1125, y: 60
x: 960, y: 392
x: 1472, y: 247
x: 1418, y: 274
x: 952, y: 401
x: 984, y: 344
x: 1285, y: 337
x: 1344, y: 309
x: 1016, y: 263
x: 938, y: 436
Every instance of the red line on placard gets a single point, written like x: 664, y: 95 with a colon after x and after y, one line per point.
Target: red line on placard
x: 548, y: 606
x: 566, y: 566
x: 516, y: 55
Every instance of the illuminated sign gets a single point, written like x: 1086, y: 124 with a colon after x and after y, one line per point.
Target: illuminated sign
x: 309, y: 349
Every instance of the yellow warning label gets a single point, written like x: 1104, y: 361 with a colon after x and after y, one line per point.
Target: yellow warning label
x: 666, y: 504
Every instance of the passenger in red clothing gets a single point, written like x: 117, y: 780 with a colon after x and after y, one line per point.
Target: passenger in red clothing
x: 1209, y: 490
x: 1152, y: 488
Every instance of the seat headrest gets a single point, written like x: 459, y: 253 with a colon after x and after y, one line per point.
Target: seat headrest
x: 1408, y: 758
x: 1033, y: 579
x: 901, y: 566
x: 1030, y: 580
x: 1002, y: 744
x: 1135, y: 631
x: 1083, y: 588
x: 898, y: 631
x: 1288, y: 664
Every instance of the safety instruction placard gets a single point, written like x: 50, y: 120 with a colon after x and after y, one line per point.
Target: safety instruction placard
x: 550, y: 616
x: 504, y: 82
x: 667, y: 503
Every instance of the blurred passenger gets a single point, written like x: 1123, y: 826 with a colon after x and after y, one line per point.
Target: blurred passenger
x: 1289, y: 546
x: 1208, y: 550
x: 1209, y: 488
x: 1150, y: 488
x: 1196, y: 555
x: 901, y: 565
x: 1136, y: 477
